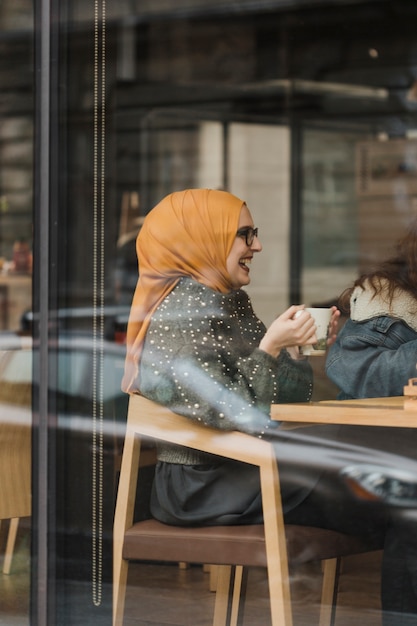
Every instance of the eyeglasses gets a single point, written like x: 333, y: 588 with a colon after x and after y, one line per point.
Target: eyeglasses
x: 248, y: 233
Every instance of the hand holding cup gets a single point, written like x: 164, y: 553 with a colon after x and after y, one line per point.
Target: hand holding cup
x: 322, y: 318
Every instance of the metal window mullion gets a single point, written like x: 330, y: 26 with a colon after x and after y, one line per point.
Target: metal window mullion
x: 40, y: 482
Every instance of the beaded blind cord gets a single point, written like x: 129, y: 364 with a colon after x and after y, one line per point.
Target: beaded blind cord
x: 98, y: 297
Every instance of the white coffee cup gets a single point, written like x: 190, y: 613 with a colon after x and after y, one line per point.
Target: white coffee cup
x: 322, y: 319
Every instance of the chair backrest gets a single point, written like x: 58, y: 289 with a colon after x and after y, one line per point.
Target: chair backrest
x: 148, y: 420
x: 15, y: 469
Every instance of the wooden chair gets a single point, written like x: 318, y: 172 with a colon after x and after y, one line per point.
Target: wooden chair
x: 231, y: 548
x: 15, y: 485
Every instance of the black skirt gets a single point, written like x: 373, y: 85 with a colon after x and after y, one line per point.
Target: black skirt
x: 313, y: 491
x: 228, y: 492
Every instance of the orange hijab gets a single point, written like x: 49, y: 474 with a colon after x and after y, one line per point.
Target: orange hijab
x: 189, y: 233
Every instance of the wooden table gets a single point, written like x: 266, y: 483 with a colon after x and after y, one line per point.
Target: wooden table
x: 367, y: 412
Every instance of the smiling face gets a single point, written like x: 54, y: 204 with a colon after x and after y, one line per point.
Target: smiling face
x: 240, y: 256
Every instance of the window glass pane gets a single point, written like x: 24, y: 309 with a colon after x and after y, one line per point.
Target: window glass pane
x: 73, y: 369
x: 308, y: 113
x: 16, y: 221
x: 18, y: 368
x: 330, y: 222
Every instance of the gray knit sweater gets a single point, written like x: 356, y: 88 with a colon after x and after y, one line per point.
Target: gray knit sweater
x: 201, y: 359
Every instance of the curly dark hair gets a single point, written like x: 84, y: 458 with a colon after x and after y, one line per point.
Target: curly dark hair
x: 397, y: 272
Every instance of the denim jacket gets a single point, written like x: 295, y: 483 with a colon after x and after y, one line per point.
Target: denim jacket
x: 373, y: 358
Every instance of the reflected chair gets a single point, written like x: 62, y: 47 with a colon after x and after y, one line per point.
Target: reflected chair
x: 15, y: 484
x: 231, y: 548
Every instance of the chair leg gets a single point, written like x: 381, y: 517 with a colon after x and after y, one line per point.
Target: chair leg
x: 224, y: 590
x: 119, y: 591
x: 11, y: 540
x: 122, y: 520
x: 230, y: 594
x: 239, y: 596
x: 213, y: 573
x: 331, y: 571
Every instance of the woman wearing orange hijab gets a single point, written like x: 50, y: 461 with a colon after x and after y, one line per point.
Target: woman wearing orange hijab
x: 194, y: 344
x: 191, y: 234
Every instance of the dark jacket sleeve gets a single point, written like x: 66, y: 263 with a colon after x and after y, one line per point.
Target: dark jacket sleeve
x: 210, y: 380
